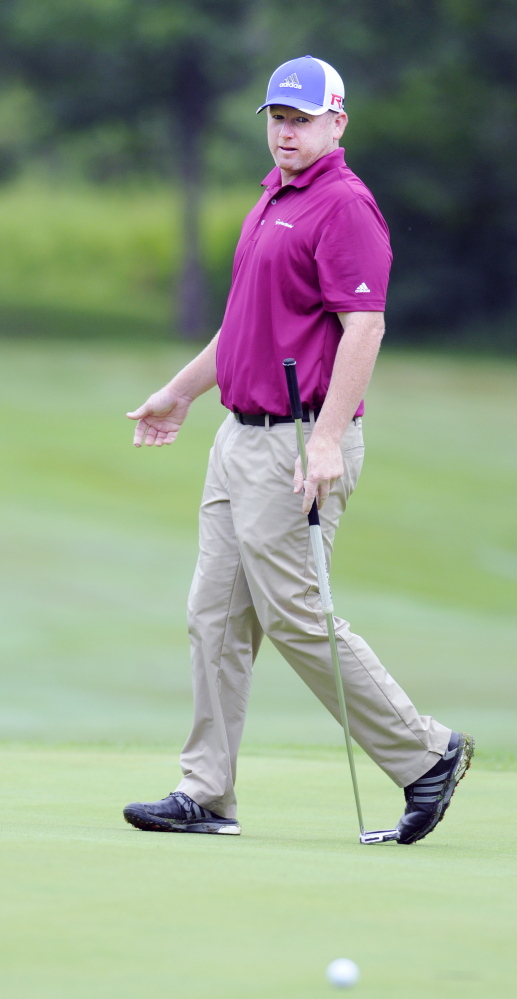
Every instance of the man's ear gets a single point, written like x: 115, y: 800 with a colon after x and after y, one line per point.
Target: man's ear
x: 340, y: 124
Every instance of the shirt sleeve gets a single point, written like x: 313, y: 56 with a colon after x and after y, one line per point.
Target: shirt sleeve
x: 353, y: 257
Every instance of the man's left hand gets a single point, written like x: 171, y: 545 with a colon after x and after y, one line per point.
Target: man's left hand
x: 324, y: 466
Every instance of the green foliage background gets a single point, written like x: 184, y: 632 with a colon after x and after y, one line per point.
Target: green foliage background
x: 107, y: 91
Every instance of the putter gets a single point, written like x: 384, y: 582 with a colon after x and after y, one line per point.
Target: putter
x: 379, y: 835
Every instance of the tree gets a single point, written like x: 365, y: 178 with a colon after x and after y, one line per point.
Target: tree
x: 433, y: 131
x: 95, y: 61
x: 431, y: 96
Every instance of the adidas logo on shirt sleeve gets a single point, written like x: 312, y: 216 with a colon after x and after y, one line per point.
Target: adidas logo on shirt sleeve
x: 361, y: 289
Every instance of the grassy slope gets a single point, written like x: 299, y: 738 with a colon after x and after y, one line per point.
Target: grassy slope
x: 72, y: 253
x: 93, y: 907
x: 99, y: 541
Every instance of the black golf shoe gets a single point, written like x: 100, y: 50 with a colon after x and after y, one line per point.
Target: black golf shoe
x: 178, y: 813
x: 428, y: 797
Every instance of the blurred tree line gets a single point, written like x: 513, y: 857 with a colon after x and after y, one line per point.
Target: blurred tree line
x: 169, y: 87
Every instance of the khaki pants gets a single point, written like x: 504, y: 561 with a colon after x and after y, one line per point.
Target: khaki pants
x: 255, y: 575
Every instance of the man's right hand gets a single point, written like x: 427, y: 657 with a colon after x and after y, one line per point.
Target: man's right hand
x: 160, y: 418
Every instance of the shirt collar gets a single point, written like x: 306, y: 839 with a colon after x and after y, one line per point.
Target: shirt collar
x: 333, y: 160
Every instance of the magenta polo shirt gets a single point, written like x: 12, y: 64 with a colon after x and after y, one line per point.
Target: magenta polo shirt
x: 307, y: 251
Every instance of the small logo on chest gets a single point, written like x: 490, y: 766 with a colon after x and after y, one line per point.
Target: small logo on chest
x: 287, y: 224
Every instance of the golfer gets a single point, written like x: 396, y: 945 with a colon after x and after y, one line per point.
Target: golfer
x: 309, y: 281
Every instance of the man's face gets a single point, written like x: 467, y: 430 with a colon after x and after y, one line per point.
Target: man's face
x: 297, y: 139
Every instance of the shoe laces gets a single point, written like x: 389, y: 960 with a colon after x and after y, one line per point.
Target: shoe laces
x: 190, y: 807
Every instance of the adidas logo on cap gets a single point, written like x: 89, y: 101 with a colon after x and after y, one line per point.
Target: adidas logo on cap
x: 291, y: 81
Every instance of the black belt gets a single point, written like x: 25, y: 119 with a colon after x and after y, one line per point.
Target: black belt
x: 259, y: 419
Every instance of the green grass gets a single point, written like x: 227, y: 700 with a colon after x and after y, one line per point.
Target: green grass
x: 89, y: 258
x: 95, y: 908
x: 99, y: 542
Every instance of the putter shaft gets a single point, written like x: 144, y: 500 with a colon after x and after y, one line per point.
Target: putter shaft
x: 328, y: 609
x: 380, y: 835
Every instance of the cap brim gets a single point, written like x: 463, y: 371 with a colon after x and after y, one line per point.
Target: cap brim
x: 291, y: 102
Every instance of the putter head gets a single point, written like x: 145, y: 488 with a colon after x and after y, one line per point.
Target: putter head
x: 379, y: 836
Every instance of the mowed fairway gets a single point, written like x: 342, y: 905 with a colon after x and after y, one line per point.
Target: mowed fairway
x: 99, y: 543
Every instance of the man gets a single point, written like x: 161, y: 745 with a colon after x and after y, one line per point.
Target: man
x: 309, y: 281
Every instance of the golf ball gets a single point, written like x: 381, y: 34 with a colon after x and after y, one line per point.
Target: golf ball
x: 343, y: 973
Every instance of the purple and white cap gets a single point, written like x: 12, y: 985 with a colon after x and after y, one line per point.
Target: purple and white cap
x: 307, y: 84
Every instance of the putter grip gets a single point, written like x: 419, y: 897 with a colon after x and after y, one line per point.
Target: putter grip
x: 313, y: 516
x: 292, y: 385
x: 296, y: 413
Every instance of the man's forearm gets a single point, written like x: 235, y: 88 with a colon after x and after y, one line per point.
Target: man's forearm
x: 199, y: 375
x: 353, y: 366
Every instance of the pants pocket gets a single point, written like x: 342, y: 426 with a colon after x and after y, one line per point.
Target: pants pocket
x: 353, y: 458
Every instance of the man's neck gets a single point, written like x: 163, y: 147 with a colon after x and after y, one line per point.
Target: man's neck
x: 288, y: 176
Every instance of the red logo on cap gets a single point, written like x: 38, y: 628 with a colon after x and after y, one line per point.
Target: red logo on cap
x: 338, y: 99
